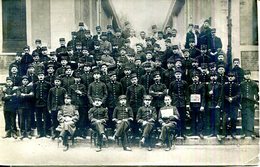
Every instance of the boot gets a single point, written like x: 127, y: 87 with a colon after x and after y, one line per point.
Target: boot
x: 7, y: 135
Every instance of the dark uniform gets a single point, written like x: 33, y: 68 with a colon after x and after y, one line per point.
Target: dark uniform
x: 126, y: 82
x: 239, y: 74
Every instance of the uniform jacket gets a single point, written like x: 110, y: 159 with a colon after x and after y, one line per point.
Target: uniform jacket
x: 41, y: 91
x: 178, y: 91
x: 56, y: 98
x: 97, y: 89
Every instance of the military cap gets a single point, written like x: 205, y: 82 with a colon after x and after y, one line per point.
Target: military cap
x: 194, y: 60
x: 38, y: 41
x: 118, y: 30
x: 178, y: 71
x: 50, y: 65
x: 62, y: 39
x: 139, y: 44
x: 168, y: 40
x: 87, y: 64
x: 121, y: 60
x: 148, y: 97
x: 103, y: 34
x: 191, y: 40
x: 156, y: 73
x: 35, y: 54
x: 213, y: 30
x: 121, y: 97
x: 231, y: 74
x: 78, y: 43
x: 109, y: 26
x: 97, y: 99
x: 138, y: 58
x: 44, y: 48
x: 74, y: 33
x: 178, y: 59
x: 195, y: 73
x: 213, y: 73
x: 247, y: 72
x: 68, y: 67
x: 148, y: 39
x: 235, y: 59
x: 175, y: 47
x: 112, y: 73
x: 131, y: 54
x: 81, y: 24
x: 25, y: 77
x: 204, y: 65
x: 87, y: 31
x: 8, y: 78
x: 185, y: 50
x: 170, y: 60
x: 212, y: 64
x: 67, y: 96
x: 84, y: 48
x: 133, y: 75
x: 96, y: 70
x: 26, y: 47
x: 57, y: 78
x: 41, y: 72
x: 221, y: 65
x: 196, y: 26
x: 127, y: 40
x: 122, y: 48
x: 14, y: 65
x: 82, y: 60
x: 64, y: 58
x: 191, y: 25
x: 98, y: 27
x: 149, y: 52
x: 160, y: 32
x: 53, y: 53
x: 154, y: 26
x: 156, y: 45
x: 97, y: 43
x: 127, y: 68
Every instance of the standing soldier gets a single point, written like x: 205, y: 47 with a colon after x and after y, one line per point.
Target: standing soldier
x: 114, y: 89
x: 178, y: 92
x: 238, y: 71
x: 25, y: 97
x: 126, y: 80
x: 168, y: 74
x: 27, y: 59
x: 50, y: 74
x: 38, y: 48
x: 41, y: 90
x: 72, y: 42
x: 10, y: 108
x: 197, y: 104
x: 249, y: 96
x: 97, y: 88
x: 98, y: 117
x: 67, y: 80
x: 17, y: 62
x: 147, y: 78
x: 87, y: 76
x: 232, y: 98
x: 147, y: 117
x: 61, y: 70
x: 14, y: 75
x: 122, y: 115
x: 55, y: 101
x: 78, y: 94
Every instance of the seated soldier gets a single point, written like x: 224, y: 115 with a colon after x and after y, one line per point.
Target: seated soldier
x: 67, y: 117
x: 169, y: 116
x: 122, y: 116
x: 146, y: 116
x: 98, y: 117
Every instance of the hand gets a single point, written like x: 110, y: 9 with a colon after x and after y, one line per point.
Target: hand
x: 144, y: 123
x: 119, y: 121
x: 256, y: 106
x: 230, y: 99
x: 187, y: 106
x: 211, y: 92
x: 49, y: 111
x: 201, y: 108
x: 163, y: 124
x: 22, y: 94
x: 217, y: 106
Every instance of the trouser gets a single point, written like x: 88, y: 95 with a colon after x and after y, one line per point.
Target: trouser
x: 10, y: 121
x: 54, y: 121
x: 25, y: 120
x: 248, y: 116
x: 82, y: 123
x: 231, y: 111
x: 43, y: 120
x: 110, y: 123
x: 121, y: 131
x: 64, y: 135
x: 182, y: 128
x: 134, y: 124
x: 166, y: 131
x: 100, y: 129
x: 32, y: 117
x: 214, y: 120
x: 196, y: 120
x: 147, y: 129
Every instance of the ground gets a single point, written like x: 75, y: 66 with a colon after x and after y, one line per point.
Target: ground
x: 44, y: 151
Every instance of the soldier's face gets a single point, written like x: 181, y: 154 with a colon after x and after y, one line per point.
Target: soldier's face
x: 206, y: 24
x: 31, y: 70
x: 57, y: 82
x: 14, y: 70
x: 98, y: 30
x: 134, y: 80
x: 158, y: 63
x: 122, y: 101
x: 104, y: 68
x: 247, y: 76
x: 139, y: 48
x: 178, y: 64
x: 236, y: 63
x: 41, y: 77
x: 221, y: 70
x: 36, y: 58
x: 195, y: 64
x: 178, y: 75
x: 127, y: 72
x: 62, y: 43
x: 18, y: 58
x: 186, y: 54
x: 85, y: 52
x: 203, y: 70
x: 97, y: 103
x: 96, y: 76
x: 64, y: 62
x: 26, y: 50
x: 96, y: 47
x: 213, y: 77
x: 221, y: 57
x: 169, y: 65
x: 142, y: 35
x: 190, y: 28
x: 77, y: 80
x: 87, y: 68
x: 68, y: 71
x: 157, y: 78
x: 113, y: 78
x: 168, y: 44
x: 25, y: 81
x: 231, y: 78
x: 50, y: 70
x: 147, y: 102
x: 195, y: 78
x: 122, y: 52
x: 38, y: 44
x: 9, y: 83
x: 192, y: 44
x: 149, y: 56
x: 175, y: 51
x: 160, y: 35
x: 138, y: 62
x: 118, y: 34
x: 156, y: 48
x: 67, y: 100
x: 167, y: 100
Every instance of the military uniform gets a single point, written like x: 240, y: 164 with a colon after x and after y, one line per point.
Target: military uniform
x: 126, y: 82
x: 97, y: 89
x: 239, y: 74
x: 147, y: 80
x: 67, y: 81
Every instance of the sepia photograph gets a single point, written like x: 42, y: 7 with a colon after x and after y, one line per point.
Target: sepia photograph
x: 129, y: 83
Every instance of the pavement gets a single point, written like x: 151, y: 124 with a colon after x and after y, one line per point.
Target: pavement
x: 44, y: 151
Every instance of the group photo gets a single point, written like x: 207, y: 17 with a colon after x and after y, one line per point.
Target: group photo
x: 110, y: 75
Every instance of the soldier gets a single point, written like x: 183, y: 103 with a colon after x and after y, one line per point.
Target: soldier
x: 215, y: 45
x: 97, y: 37
x: 161, y: 41
x: 61, y: 70
x: 38, y: 48
x: 31, y: 74
x: 67, y: 80
x: 214, y: 96
x: 221, y: 74
x: 87, y: 76
x: 194, y: 68
x: 88, y: 42
x: 204, y: 37
x: 78, y: 94
x: 41, y: 89
x: 25, y: 96
x: 114, y: 89
x: 38, y: 66
x: 98, y: 117
x: 203, y: 57
x: 187, y: 62
x: 10, y: 108
x: 147, y: 78
x: 148, y: 59
x: 27, y: 59
x: 81, y: 32
x: 122, y: 115
x: 196, y: 104
x: 129, y: 50
x: 142, y: 38
x: 107, y: 59
x: 52, y: 60
x: 87, y: 58
x: 150, y: 46
x: 249, y: 100
x: 110, y: 34
x: 238, y: 71
x: 178, y: 93
x: 118, y: 39
x: 126, y: 80
x: 72, y: 42
x: 168, y: 74
x: 104, y: 43
x: 126, y: 31
x: 97, y: 51
x: 147, y: 117
x: 79, y: 71
x: 55, y: 101
x: 43, y: 56
x: 119, y: 69
x: 232, y: 97
x: 190, y: 35
x: 158, y: 91
x: 97, y: 88
x: 140, y: 53
x: 139, y: 70
x: 17, y: 62
x: 50, y: 75
x: 158, y: 66
x: 67, y: 116
x: 169, y: 118
x: 14, y: 75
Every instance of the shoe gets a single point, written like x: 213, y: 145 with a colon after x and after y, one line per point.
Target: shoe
x: 233, y: 137
x: 212, y: 135
x: 66, y: 147
x: 219, y: 138
x: 14, y: 136
x: 7, y: 135
x: 253, y: 137
x: 114, y: 138
x: 127, y: 149
x: 158, y: 144
x: 149, y: 148
x: 104, y: 137
x: 142, y: 140
x: 22, y: 137
x: 29, y: 136
x: 98, y: 149
x: 184, y: 137
x: 38, y: 136
x: 201, y: 136
x: 167, y: 149
x: 243, y: 136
